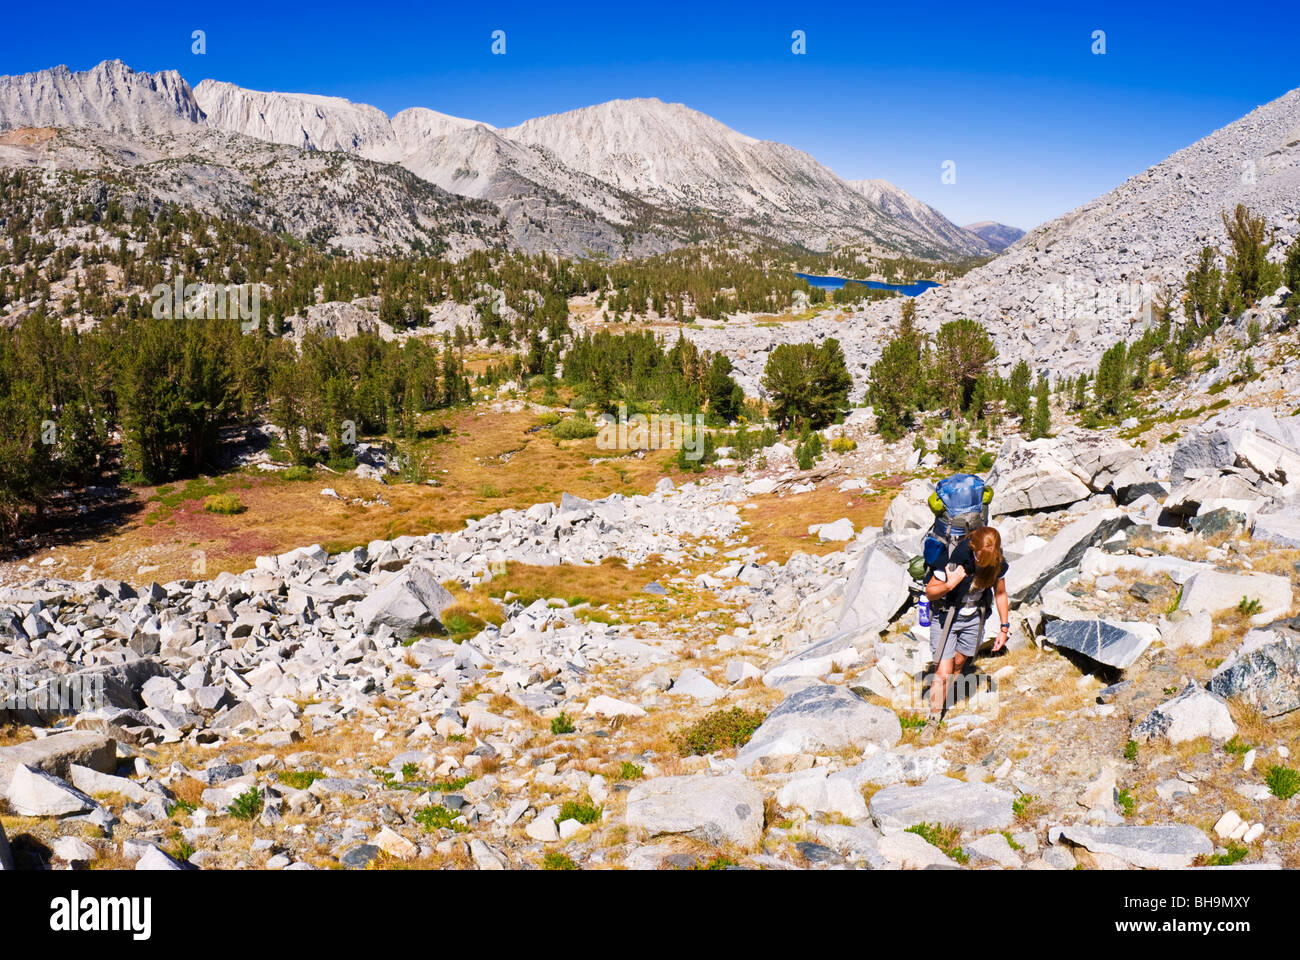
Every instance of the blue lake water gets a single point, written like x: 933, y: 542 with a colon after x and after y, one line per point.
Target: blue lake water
x: 834, y: 283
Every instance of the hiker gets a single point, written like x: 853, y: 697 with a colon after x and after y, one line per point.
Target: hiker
x: 971, y: 582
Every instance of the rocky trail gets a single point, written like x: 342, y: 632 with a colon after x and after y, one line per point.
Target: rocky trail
x: 379, y: 707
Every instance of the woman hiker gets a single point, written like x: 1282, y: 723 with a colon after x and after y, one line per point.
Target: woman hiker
x: 975, y: 570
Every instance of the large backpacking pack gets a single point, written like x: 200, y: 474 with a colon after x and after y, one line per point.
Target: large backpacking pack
x: 960, y: 504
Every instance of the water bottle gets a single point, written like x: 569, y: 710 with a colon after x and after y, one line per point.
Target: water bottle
x: 923, y: 605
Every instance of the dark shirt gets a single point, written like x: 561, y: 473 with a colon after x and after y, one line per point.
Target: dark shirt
x: 963, y: 556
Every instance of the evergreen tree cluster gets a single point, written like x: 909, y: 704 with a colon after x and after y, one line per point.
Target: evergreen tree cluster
x: 168, y: 386
x: 636, y: 369
x: 947, y: 372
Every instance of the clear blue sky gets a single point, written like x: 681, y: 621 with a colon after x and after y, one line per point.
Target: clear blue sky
x: 1033, y: 120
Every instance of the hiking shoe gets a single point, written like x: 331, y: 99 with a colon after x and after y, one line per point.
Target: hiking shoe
x: 930, y: 731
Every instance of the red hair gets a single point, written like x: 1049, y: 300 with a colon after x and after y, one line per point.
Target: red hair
x: 986, y: 544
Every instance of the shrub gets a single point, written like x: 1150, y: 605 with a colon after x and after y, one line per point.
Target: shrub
x: 843, y: 445
x: 1024, y: 806
x: 808, y: 451
x: 1235, y: 852
x: 719, y: 862
x: 630, y: 771
x: 945, y: 838
x: 437, y: 817
x: 461, y: 624
x: 1131, y: 750
x: 558, y: 861
x: 297, y: 473
x: 583, y: 812
x: 1249, y: 606
x: 549, y: 419
x: 450, y: 786
x: 225, y: 503
x: 179, y: 805
x: 247, y: 805
x: 717, y: 731
x: 952, y: 444
x: 1283, y: 782
x: 574, y: 428
x: 562, y: 724
x: 1126, y: 802
x: 1236, y: 746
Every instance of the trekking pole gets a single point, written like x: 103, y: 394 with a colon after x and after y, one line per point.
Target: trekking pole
x: 947, y: 631
x: 943, y: 653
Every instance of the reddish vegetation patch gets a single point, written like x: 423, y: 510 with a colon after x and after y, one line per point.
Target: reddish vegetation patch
x: 250, y: 543
x: 193, y: 521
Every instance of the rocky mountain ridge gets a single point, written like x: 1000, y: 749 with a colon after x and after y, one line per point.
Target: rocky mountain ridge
x: 637, y: 166
x: 905, y: 208
x: 351, y: 204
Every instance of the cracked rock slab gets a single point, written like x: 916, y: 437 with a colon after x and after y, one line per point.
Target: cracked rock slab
x: 1114, y: 644
x: 942, y: 800
x: 725, y: 809
x: 1162, y: 846
x: 821, y: 718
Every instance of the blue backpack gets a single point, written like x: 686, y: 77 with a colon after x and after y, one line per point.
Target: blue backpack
x: 960, y: 504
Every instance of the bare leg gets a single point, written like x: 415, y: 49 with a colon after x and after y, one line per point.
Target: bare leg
x: 939, y: 687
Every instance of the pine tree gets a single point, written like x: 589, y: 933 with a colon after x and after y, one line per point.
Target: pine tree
x: 1203, y: 284
x: 1042, y: 425
x: 808, y: 384
x: 894, y: 381
x: 1112, y: 386
x: 1291, y: 267
x: 1080, y: 399
x: 962, y: 350
x: 1247, y: 265
x: 1018, y: 393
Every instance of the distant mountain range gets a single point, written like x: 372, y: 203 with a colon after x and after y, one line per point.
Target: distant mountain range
x: 627, y: 176
x: 997, y: 235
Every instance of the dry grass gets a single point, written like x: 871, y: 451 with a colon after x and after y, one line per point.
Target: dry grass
x: 1268, y: 558
x: 112, y: 859
x: 611, y: 582
x: 13, y: 733
x: 1258, y: 730
x: 283, y: 515
x: 188, y: 790
x: 778, y: 525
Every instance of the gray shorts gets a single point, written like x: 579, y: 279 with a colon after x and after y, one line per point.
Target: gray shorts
x: 964, y: 636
